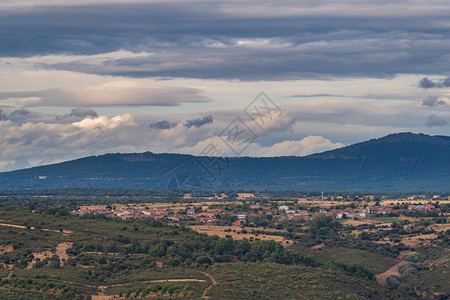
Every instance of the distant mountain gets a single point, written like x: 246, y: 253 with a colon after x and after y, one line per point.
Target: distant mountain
x: 397, y: 162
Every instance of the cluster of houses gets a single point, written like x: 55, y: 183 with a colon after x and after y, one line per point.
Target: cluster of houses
x: 348, y: 213
x: 133, y: 213
x: 279, y: 214
x: 428, y: 207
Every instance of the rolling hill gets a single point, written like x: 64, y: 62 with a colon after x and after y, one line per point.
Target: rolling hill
x: 397, y: 162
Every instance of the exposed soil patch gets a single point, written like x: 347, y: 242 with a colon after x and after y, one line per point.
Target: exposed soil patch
x: 5, y: 249
x: 236, y: 233
x: 60, y: 251
x: 318, y: 246
x: 245, y: 196
x: 381, y: 278
x: 414, y: 241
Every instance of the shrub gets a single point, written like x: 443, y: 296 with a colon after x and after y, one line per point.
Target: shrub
x: 203, y: 260
x: 403, y: 288
x: 38, y: 264
x: 415, y: 257
x: 409, y: 272
x: 393, y: 282
x: 409, y: 265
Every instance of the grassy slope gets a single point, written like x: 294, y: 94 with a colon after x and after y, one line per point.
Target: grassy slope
x: 374, y: 262
x: 435, y: 278
x: 264, y: 281
x: 236, y: 280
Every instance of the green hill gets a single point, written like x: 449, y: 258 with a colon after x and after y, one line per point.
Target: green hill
x: 403, y: 161
x: 80, y: 257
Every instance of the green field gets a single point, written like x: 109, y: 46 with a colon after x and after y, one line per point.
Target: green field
x: 374, y: 262
x: 137, y: 258
x: 272, y: 281
x: 386, y: 219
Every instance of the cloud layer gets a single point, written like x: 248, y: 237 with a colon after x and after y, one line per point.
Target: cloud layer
x: 115, y: 93
x: 249, y: 40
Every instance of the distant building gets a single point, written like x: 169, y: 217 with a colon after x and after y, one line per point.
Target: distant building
x: 238, y: 223
x: 372, y: 210
x: 430, y: 207
x: 283, y: 207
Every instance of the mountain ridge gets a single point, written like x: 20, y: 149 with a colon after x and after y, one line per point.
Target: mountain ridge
x: 400, y: 161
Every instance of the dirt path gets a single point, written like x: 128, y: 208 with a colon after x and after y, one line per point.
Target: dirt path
x: 24, y: 227
x: 213, y: 283
x: 178, y: 280
x: 297, y: 293
x: 318, y: 246
x: 101, y: 289
x: 381, y: 278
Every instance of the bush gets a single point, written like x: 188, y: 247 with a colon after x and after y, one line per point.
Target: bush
x: 409, y: 272
x: 403, y: 288
x: 409, y: 265
x: 415, y: 257
x: 393, y: 282
x: 38, y: 264
x: 203, y: 260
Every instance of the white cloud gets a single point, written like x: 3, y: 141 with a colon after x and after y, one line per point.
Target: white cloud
x: 306, y: 146
x: 105, y: 122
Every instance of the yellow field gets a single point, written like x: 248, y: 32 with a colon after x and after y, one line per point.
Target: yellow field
x: 221, y: 232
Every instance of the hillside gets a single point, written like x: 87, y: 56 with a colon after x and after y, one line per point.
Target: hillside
x: 50, y: 255
x: 403, y: 161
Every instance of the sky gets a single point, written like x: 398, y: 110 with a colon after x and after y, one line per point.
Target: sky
x: 81, y: 78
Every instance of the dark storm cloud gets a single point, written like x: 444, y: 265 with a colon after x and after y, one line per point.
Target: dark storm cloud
x: 426, y: 83
x: 234, y: 40
x: 435, y: 121
x: 21, y: 116
x: 20, y: 113
x: 16, y: 114
x: 76, y: 114
x: 433, y: 101
x: 199, y: 122
x: 82, y: 112
x: 163, y: 125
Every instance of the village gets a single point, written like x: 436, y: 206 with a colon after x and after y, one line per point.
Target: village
x: 239, y: 212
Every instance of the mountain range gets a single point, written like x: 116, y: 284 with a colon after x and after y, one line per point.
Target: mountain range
x: 397, y: 162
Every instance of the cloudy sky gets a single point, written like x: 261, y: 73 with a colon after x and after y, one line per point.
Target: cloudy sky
x: 81, y: 77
